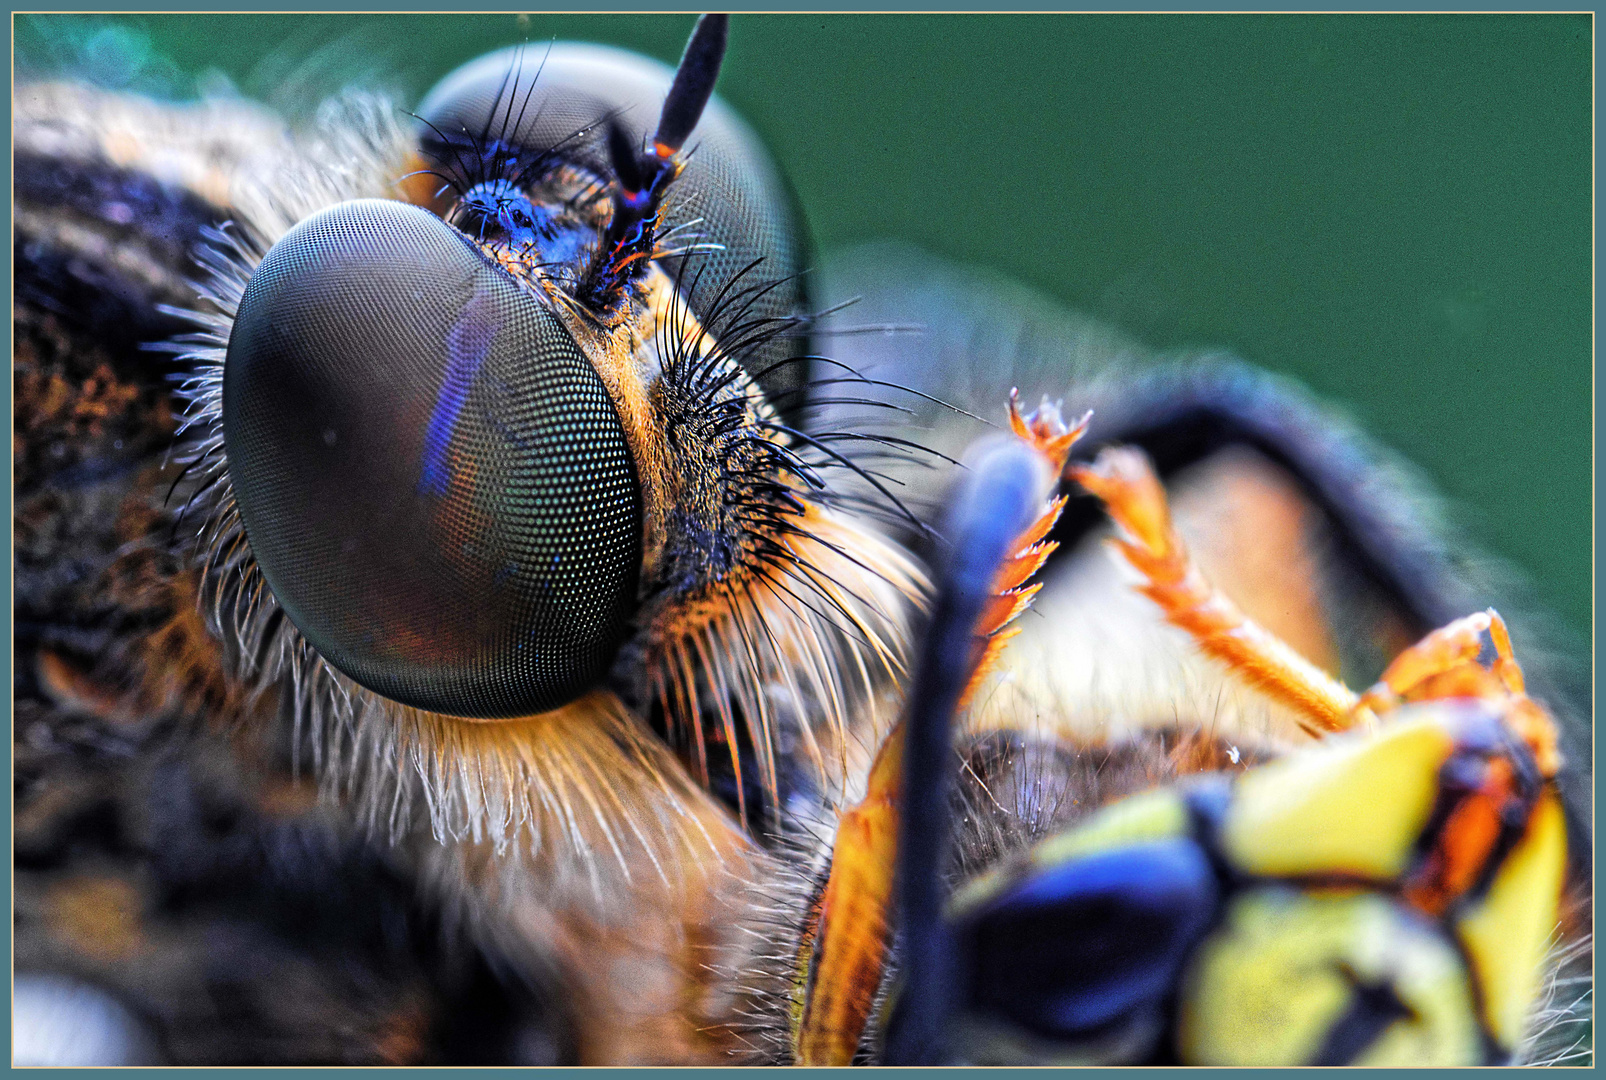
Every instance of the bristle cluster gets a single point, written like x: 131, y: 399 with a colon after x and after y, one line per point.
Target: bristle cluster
x: 783, y: 614
x: 352, y: 154
x: 464, y: 159
x: 806, y: 644
x: 585, y: 794
x: 1561, y: 1025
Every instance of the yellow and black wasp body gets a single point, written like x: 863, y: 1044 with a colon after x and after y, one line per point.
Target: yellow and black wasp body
x: 674, y: 692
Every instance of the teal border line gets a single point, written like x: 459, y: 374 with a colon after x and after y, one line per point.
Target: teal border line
x: 778, y: 6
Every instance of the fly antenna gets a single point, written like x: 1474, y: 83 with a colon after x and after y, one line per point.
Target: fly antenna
x: 642, y: 177
x: 693, y: 86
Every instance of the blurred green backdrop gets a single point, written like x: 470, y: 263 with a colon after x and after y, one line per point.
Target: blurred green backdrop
x: 1395, y: 209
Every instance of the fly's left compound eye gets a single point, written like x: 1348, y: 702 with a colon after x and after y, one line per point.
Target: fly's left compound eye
x: 431, y: 475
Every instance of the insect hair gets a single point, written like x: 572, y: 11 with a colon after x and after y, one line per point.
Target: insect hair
x: 586, y: 791
x: 465, y: 159
x: 790, y: 614
x: 802, y: 639
x: 1561, y: 1023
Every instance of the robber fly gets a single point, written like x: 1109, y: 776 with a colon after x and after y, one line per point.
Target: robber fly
x: 667, y: 704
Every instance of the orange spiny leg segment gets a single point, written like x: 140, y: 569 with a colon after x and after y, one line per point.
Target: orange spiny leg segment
x: 847, y: 955
x: 1124, y: 480
x: 850, y: 944
x: 1045, y: 431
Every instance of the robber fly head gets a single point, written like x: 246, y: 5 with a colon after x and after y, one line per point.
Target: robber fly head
x: 529, y: 435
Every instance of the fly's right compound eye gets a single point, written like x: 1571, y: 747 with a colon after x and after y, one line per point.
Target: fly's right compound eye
x: 431, y: 475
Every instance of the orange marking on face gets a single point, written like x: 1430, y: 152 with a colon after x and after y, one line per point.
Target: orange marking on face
x: 1465, y: 844
x: 622, y: 263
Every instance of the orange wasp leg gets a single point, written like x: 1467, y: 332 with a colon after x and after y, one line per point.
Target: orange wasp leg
x: 845, y: 957
x: 1443, y: 665
x: 1123, y: 479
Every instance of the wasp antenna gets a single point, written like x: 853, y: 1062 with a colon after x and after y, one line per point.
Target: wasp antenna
x: 993, y: 503
x: 693, y: 85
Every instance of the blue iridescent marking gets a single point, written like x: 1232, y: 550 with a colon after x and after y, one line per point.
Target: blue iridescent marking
x: 467, y: 344
x: 497, y: 210
x: 522, y: 224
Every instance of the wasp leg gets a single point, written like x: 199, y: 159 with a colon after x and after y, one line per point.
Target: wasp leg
x: 1421, y: 670
x: 1442, y: 665
x: 1133, y: 496
x: 1380, y: 528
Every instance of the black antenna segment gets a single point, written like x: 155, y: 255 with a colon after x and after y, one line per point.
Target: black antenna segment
x: 694, y: 84
x: 642, y: 176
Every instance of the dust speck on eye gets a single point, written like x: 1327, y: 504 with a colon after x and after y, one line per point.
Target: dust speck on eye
x: 328, y: 436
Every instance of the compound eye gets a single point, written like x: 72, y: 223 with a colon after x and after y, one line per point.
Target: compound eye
x: 730, y: 206
x: 431, y: 475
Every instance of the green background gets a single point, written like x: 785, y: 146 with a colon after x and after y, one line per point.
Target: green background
x: 1395, y: 209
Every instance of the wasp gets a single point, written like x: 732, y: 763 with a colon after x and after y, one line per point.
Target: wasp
x: 534, y: 623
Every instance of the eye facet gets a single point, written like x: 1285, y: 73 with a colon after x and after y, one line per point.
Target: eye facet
x: 432, y: 476
x: 730, y: 199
